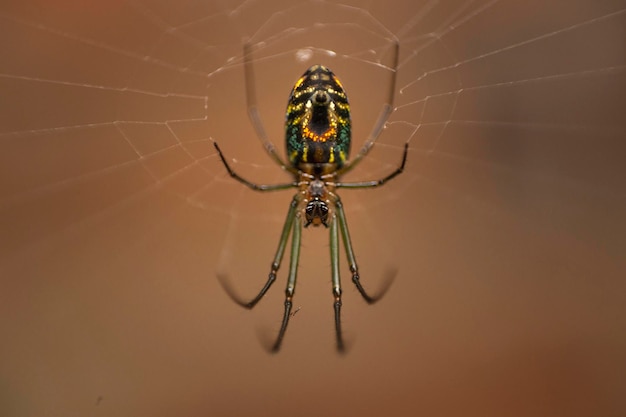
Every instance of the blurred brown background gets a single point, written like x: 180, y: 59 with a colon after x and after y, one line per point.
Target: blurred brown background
x: 507, y: 228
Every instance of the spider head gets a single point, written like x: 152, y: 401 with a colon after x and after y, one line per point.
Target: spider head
x: 316, y: 212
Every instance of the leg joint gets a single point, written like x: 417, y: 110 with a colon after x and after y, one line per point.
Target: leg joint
x: 337, y: 293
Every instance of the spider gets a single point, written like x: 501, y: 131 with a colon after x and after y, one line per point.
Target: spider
x: 317, y: 131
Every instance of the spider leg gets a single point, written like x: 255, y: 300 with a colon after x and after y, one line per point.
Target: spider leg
x: 280, y: 251
x: 291, y: 281
x: 253, y: 111
x: 256, y: 187
x: 334, y: 262
x: 382, y: 118
x: 376, y: 183
x: 345, y: 235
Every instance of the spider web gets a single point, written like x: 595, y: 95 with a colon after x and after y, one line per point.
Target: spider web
x: 513, y: 111
x: 146, y: 109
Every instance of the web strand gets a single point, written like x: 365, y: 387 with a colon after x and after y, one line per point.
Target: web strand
x: 187, y: 81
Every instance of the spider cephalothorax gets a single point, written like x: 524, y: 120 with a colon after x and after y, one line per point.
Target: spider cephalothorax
x: 317, y: 133
x: 316, y: 198
x: 316, y: 212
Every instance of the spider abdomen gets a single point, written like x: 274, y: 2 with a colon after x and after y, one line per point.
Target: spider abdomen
x: 317, y: 125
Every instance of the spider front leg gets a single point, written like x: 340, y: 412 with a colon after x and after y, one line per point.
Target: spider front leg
x: 354, y: 269
x: 293, y: 224
x: 291, y: 280
x: 338, y: 223
x: 334, y: 265
x: 278, y: 257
